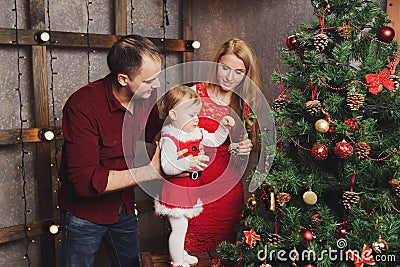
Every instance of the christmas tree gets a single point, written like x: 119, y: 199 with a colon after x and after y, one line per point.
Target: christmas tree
x: 332, y: 195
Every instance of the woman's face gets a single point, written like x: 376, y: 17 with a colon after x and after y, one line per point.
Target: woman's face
x: 231, y: 71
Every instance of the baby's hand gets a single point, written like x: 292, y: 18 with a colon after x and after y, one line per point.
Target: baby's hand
x: 198, y: 162
x: 228, y: 121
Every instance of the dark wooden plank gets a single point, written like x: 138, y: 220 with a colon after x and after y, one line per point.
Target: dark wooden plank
x: 41, y: 115
x: 73, y: 39
x: 120, y: 15
x: 29, y: 135
x: 17, y: 232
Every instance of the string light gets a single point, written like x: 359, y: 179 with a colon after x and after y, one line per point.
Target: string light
x: 20, y: 137
x: 88, y: 3
x: 131, y: 13
x: 57, y: 149
x: 42, y: 37
x: 46, y: 134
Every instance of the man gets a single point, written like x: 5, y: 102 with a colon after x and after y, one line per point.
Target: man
x: 101, y: 123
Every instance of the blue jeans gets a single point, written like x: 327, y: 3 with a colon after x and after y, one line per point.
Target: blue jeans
x: 81, y: 240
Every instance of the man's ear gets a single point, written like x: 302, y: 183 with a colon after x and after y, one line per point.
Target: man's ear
x: 122, y: 79
x: 172, y: 114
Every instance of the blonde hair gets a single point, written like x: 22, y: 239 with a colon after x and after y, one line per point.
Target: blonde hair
x: 251, y: 90
x: 174, y: 97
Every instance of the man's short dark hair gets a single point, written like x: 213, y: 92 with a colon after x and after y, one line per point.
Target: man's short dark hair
x: 126, y: 54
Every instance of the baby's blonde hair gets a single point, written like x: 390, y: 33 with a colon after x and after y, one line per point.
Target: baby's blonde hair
x: 174, y: 97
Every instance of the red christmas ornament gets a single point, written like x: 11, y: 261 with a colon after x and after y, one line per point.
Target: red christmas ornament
x: 319, y: 152
x: 292, y: 42
x: 343, y: 150
x: 308, y: 235
x: 309, y: 265
x: 386, y: 34
x: 341, y: 231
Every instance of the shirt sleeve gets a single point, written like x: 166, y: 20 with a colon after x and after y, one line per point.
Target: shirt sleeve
x: 170, y: 163
x: 215, y: 139
x: 81, y: 145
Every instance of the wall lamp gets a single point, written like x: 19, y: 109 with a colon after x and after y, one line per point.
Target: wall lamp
x: 46, y: 134
x: 42, y: 37
x: 193, y: 44
x: 51, y: 227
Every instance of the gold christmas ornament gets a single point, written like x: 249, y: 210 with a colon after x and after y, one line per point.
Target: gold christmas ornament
x: 321, y: 126
x: 380, y: 246
x: 265, y: 265
x: 310, y: 197
x: 283, y: 198
x: 252, y: 202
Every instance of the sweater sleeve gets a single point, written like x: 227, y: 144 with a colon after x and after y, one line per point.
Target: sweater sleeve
x: 170, y: 163
x: 215, y: 139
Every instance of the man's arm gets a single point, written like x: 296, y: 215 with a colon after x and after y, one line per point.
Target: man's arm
x: 118, y: 180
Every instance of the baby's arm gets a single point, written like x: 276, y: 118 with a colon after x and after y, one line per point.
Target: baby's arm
x: 219, y: 136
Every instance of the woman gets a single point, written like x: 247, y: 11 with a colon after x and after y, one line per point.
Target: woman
x: 236, y: 89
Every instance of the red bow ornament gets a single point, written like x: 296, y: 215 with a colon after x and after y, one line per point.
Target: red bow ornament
x: 366, y: 257
x: 377, y: 81
x: 251, y: 236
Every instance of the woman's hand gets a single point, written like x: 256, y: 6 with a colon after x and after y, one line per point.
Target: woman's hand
x: 242, y: 148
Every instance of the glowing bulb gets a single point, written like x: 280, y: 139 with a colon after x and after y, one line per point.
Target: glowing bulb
x: 196, y: 44
x: 46, y: 134
x: 42, y: 37
x: 53, y: 229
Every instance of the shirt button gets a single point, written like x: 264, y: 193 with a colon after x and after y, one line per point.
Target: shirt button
x: 115, y: 141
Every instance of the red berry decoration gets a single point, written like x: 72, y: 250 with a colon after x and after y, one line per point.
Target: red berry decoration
x: 308, y: 235
x: 292, y: 42
x: 343, y: 150
x: 386, y: 34
x: 319, y: 152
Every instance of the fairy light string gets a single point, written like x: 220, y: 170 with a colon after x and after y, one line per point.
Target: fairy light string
x: 24, y: 152
x: 165, y: 22
x: 131, y: 15
x: 89, y: 19
x: 51, y: 87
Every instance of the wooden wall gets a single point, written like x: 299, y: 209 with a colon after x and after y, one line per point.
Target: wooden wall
x: 45, y: 74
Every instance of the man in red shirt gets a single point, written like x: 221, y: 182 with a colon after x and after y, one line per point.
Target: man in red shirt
x: 101, y: 123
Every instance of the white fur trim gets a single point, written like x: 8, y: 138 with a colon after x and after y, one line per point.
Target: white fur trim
x: 181, y: 135
x: 189, y: 213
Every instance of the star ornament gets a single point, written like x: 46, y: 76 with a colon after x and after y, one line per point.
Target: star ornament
x: 376, y: 81
x: 251, y: 236
x: 366, y: 257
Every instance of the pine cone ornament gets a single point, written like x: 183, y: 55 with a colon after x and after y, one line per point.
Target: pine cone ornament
x: 320, y: 41
x: 344, y: 31
x: 280, y: 103
x: 350, y: 199
x: 313, y: 106
x: 362, y: 150
x: 274, y: 239
x: 396, y: 80
x: 355, y: 100
x: 315, y: 220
